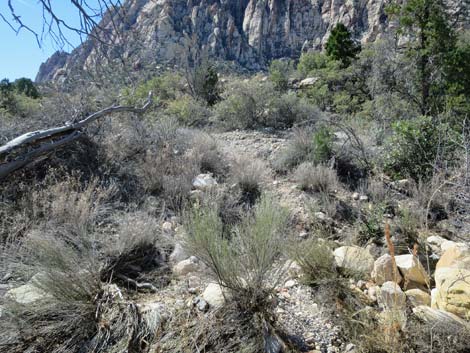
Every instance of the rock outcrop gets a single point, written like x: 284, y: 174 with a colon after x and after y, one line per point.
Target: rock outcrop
x: 247, y: 32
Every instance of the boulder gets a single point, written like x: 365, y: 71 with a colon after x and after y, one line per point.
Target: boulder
x: 354, y: 259
x: 418, y: 297
x: 455, y: 255
x: 391, y: 297
x: 204, y: 182
x: 453, y: 291
x: 184, y: 267
x: 440, y: 318
x: 411, y: 270
x: 213, y: 294
x: 384, y: 270
x: 435, y: 242
x: 452, y: 277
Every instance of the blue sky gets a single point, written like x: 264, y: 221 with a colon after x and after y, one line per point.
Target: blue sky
x: 20, y: 55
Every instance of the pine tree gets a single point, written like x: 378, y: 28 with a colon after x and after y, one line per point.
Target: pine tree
x: 340, y: 46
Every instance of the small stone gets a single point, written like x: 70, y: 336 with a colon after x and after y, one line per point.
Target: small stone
x: 204, y: 182
x: 178, y: 254
x: 201, y: 304
x: 7, y: 277
x: 363, y: 198
x: 167, y: 227
x: 214, y: 295
x: 350, y: 348
x: 26, y: 294
x: 391, y: 297
x: 355, y: 196
x: 290, y: 283
x: 184, y: 267
x: 321, y: 216
x: 418, y: 297
x: 192, y: 290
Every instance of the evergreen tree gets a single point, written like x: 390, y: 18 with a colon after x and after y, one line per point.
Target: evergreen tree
x: 26, y: 86
x: 430, y: 40
x: 340, y: 46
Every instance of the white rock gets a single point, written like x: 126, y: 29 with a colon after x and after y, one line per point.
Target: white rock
x: 204, y: 182
x: 26, y: 294
x: 178, y: 254
x: 308, y: 82
x: 384, y: 270
x: 354, y: 258
x: 363, y: 198
x: 290, y: 283
x: 167, y: 227
x: 355, y: 196
x: 213, y: 294
x: 184, y: 267
x: 411, y: 269
x: 391, y: 297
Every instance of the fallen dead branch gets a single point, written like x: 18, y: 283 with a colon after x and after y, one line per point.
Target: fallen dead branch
x: 26, y: 148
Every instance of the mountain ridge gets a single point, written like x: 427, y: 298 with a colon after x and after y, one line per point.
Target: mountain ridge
x: 248, y: 32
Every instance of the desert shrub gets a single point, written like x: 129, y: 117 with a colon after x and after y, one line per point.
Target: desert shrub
x: 206, y: 153
x: 249, y: 175
x: 371, y: 227
x: 310, y: 62
x: 244, y: 263
x: 279, y: 74
x: 78, y: 311
x: 166, y: 87
x: 242, y: 105
x: 316, y: 260
x: 298, y: 150
x: 286, y: 110
x: 316, y: 178
x: 188, y: 111
x: 254, y: 104
x: 418, y: 148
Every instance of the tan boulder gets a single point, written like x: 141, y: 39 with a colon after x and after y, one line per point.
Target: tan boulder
x: 384, y: 270
x: 440, y: 318
x: 418, y: 297
x: 453, y: 291
x: 354, y: 259
x: 411, y: 270
x: 455, y: 256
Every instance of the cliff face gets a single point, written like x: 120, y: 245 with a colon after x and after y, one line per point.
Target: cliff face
x: 249, y: 32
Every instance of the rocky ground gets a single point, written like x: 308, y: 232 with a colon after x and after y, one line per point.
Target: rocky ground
x: 298, y: 309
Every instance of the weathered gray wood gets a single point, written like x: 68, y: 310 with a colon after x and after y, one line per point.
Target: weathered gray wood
x: 40, y: 142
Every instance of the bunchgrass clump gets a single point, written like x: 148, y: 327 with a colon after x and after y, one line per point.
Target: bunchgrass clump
x: 317, y: 178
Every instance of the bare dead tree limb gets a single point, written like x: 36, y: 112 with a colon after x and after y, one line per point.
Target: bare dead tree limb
x: 24, y: 149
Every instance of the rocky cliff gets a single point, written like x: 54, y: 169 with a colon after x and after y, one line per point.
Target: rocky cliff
x: 248, y: 32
